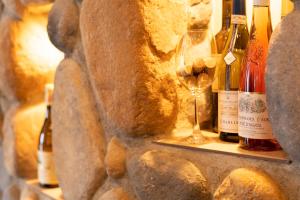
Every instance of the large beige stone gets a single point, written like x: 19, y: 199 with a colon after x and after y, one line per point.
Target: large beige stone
x: 159, y: 18
x: 133, y: 80
x: 21, y: 130
x: 12, y: 192
x: 25, y: 66
x: 28, y: 194
x: 162, y: 175
x: 5, y: 179
x: 115, y: 194
x: 63, y: 25
x: 1, y: 124
x: 14, y: 8
x: 1, y: 7
x: 282, y: 81
x: 78, y: 139
x: 115, y: 158
x: 248, y: 184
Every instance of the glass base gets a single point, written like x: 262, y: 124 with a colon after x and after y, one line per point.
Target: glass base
x: 197, y: 137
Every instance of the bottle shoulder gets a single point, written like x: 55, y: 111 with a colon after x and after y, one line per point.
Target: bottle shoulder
x: 238, y: 38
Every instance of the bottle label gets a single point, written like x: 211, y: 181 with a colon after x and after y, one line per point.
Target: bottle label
x: 228, y: 111
x: 238, y: 19
x: 46, y: 168
x: 253, y: 116
x: 229, y: 58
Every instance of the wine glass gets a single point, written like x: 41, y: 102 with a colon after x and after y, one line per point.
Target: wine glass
x: 196, y: 61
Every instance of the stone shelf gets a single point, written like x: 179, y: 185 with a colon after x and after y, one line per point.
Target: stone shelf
x: 218, y: 146
x: 44, y: 194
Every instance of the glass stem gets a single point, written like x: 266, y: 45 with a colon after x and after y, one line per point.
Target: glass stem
x: 196, y: 132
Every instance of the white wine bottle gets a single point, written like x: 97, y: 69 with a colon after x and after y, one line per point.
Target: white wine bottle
x: 46, y: 170
x: 229, y: 73
x: 221, y: 39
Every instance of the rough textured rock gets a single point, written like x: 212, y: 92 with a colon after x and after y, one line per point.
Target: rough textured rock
x: 248, y: 184
x: 36, y: 2
x: 12, y: 192
x: 282, y: 79
x: 1, y: 124
x: 23, y: 70
x: 115, y: 159
x: 5, y: 179
x: 159, y: 17
x: 21, y: 130
x: 161, y: 175
x: 199, y: 14
x: 1, y: 7
x: 63, y: 25
x: 28, y: 194
x: 115, y: 194
x: 14, y: 8
x: 77, y: 134
x: 145, y: 103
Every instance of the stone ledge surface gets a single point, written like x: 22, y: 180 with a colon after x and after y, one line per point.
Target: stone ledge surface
x: 43, y: 194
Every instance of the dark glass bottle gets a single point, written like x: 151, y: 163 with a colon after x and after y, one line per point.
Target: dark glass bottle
x: 221, y: 39
x: 229, y: 73
x: 46, y: 170
x: 254, y: 127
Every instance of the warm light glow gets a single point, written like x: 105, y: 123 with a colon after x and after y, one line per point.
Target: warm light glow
x: 216, y: 17
x: 33, y: 42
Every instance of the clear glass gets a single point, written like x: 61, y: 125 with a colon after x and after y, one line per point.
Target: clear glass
x: 196, y: 60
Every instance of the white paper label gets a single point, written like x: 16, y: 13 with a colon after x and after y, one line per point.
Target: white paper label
x: 238, y: 19
x: 228, y: 111
x: 46, y: 169
x: 253, y: 116
x: 261, y: 2
x: 229, y: 58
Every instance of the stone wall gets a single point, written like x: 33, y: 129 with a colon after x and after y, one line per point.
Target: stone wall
x: 116, y: 91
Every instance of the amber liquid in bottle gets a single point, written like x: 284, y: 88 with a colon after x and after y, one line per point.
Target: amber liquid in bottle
x: 221, y: 39
x: 46, y: 170
x: 254, y: 127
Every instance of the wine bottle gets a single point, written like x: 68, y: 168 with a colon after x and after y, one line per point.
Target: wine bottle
x: 286, y: 7
x: 46, y: 169
x: 229, y: 73
x: 254, y: 127
x: 221, y: 39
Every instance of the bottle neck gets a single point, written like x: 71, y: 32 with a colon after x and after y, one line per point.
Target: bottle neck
x: 226, y: 15
x: 48, y: 111
x: 261, y: 28
x: 239, y: 12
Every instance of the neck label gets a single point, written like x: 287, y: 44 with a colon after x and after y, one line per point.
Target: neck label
x: 229, y: 58
x: 261, y: 2
x: 238, y: 19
